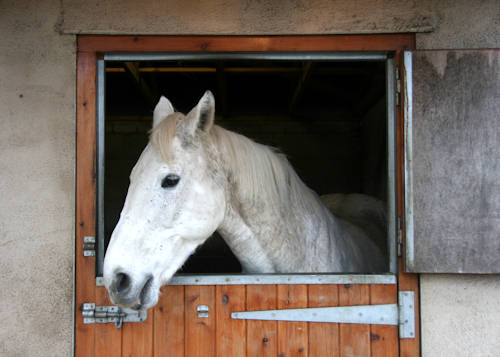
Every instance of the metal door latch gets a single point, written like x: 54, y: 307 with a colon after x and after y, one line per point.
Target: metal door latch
x: 93, y: 314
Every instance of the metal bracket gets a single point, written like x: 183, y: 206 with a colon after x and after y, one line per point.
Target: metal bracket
x: 202, y: 311
x: 89, y: 246
x: 99, y: 281
x: 93, y: 314
x: 406, y: 314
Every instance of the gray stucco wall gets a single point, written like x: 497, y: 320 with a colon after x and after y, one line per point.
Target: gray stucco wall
x: 246, y: 16
x: 37, y: 81
x: 462, y: 24
x: 460, y: 315
x: 37, y: 93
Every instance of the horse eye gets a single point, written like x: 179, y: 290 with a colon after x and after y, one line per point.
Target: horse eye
x: 170, y: 180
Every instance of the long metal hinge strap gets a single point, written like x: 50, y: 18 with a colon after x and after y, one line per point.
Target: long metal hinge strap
x: 401, y: 314
x: 363, y: 314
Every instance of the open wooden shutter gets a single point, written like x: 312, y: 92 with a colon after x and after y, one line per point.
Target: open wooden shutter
x: 452, y: 167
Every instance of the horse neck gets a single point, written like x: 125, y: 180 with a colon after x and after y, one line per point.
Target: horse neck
x: 268, y: 234
x: 267, y: 240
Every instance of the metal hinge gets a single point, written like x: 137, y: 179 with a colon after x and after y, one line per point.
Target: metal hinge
x: 93, y: 314
x: 406, y: 304
x: 401, y: 314
x: 89, y: 246
x: 398, y: 86
x: 399, y: 237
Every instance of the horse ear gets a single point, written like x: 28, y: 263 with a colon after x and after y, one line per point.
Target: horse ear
x: 202, y: 116
x: 163, y: 109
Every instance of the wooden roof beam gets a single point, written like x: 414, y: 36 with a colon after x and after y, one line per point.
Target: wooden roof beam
x: 150, y: 95
x: 306, y: 72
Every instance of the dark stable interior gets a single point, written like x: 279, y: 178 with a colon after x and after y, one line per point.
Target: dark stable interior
x: 328, y: 117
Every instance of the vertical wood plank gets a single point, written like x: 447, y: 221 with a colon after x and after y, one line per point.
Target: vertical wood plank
x: 108, y: 339
x: 323, y: 337
x: 230, y: 334
x: 354, y: 339
x: 384, y: 339
x: 137, y: 337
x: 410, y: 347
x: 85, y: 198
x: 169, y: 323
x: 292, y: 336
x: 261, y: 335
x: 199, y: 331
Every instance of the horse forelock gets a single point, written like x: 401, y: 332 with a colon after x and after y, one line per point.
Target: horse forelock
x: 162, y: 135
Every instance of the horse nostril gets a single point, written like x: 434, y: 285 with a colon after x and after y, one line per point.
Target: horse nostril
x: 145, y: 289
x: 121, y: 283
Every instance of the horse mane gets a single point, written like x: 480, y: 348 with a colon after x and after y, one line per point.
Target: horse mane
x: 256, y: 171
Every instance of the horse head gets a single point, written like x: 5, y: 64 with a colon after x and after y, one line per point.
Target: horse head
x: 175, y: 201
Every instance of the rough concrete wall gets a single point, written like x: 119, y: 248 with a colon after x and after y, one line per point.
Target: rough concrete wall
x: 463, y: 24
x: 459, y: 313
x: 245, y: 16
x: 37, y: 74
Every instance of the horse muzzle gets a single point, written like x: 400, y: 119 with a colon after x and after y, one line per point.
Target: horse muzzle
x: 131, y: 293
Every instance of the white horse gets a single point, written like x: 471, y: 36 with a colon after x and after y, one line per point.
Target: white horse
x: 194, y: 178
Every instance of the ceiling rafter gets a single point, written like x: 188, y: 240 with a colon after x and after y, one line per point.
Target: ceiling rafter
x: 149, y: 94
x: 299, y: 89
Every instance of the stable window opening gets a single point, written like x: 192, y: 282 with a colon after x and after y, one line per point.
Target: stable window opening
x: 331, y: 114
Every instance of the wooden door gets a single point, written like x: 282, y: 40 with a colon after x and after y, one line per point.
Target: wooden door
x: 173, y: 327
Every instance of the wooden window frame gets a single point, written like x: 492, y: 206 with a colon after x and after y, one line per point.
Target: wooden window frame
x: 91, y: 47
